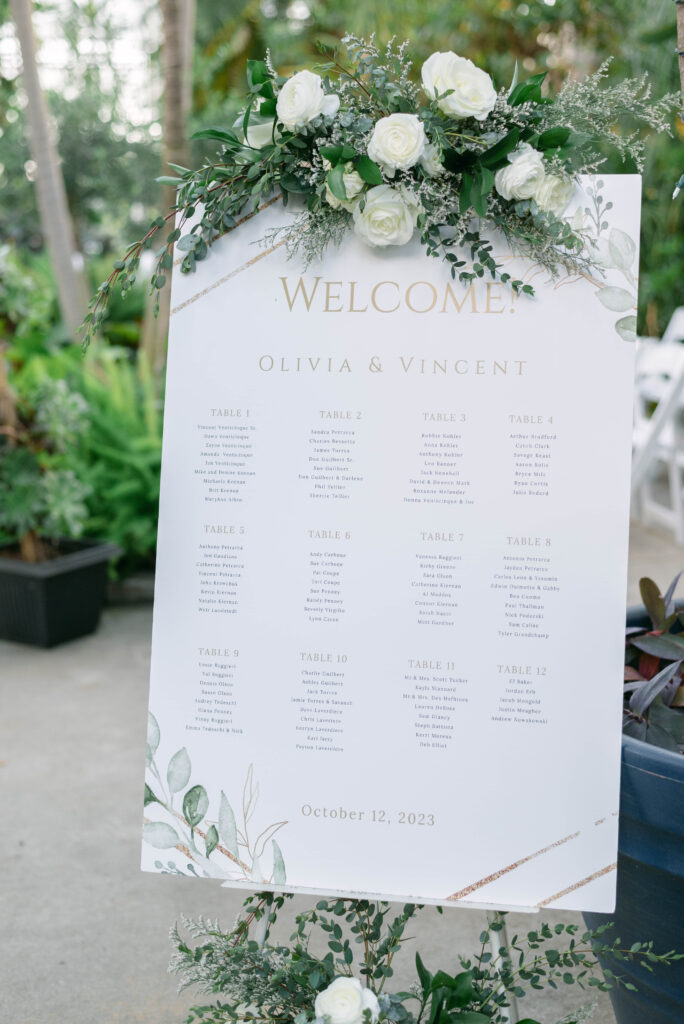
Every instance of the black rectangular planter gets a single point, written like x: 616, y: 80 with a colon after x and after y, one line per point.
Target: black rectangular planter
x: 46, y: 603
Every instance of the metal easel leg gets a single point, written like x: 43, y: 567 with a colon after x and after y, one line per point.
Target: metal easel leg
x: 497, y: 939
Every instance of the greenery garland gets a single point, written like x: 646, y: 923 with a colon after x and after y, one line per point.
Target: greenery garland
x: 356, y: 146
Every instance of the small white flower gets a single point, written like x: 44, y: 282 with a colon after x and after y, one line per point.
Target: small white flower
x: 430, y: 161
x: 553, y: 194
x: 389, y: 216
x: 473, y: 93
x: 353, y: 185
x: 345, y: 999
x: 524, y: 174
x: 397, y: 142
x: 302, y: 99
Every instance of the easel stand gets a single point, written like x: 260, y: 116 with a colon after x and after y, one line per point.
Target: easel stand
x: 498, y: 938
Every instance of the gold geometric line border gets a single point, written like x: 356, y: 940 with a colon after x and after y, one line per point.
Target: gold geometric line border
x: 577, y: 885
x: 524, y: 860
x: 511, y: 867
x: 237, y: 223
x: 227, y: 277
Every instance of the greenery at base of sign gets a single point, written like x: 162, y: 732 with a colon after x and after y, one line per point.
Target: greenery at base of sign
x: 254, y: 980
x: 654, y: 671
x: 357, y: 146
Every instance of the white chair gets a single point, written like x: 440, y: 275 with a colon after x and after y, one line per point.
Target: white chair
x: 658, y: 438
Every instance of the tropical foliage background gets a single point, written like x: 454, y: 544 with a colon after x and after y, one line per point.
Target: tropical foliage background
x: 100, y: 94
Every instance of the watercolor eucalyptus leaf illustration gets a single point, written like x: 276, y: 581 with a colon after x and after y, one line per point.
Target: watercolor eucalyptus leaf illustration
x: 160, y: 835
x: 622, y: 250
x: 179, y: 770
x: 614, y: 250
x: 617, y: 299
x: 227, y: 826
x: 221, y: 847
x: 153, y: 736
x: 626, y: 328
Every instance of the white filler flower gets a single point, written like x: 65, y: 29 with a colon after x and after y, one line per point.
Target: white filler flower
x: 523, y: 176
x: 398, y: 142
x: 302, y: 99
x: 344, y: 1001
x: 473, y: 93
x: 353, y: 185
x: 388, y: 217
x: 554, y: 194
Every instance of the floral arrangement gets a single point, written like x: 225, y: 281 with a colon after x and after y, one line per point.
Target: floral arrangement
x: 654, y: 671
x: 254, y: 979
x: 366, y: 149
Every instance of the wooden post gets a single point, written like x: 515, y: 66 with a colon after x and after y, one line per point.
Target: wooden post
x: 51, y: 194
x: 8, y: 405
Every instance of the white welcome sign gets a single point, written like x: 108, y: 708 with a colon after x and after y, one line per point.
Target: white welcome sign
x: 388, y: 630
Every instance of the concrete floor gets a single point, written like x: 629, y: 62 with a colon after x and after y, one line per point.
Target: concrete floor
x: 84, y: 931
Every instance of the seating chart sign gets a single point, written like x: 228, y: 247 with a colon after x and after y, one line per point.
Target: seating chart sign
x: 390, y: 598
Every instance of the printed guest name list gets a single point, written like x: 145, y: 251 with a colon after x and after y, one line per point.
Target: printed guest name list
x: 391, y: 504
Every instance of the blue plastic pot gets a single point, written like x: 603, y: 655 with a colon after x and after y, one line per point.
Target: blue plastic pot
x: 650, y: 881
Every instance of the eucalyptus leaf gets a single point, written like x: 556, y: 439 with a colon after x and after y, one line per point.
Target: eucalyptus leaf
x: 617, y: 299
x: 178, y: 772
x: 160, y: 835
x: 226, y: 826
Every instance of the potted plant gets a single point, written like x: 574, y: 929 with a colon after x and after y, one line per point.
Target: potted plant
x: 650, y: 890
x: 52, y: 585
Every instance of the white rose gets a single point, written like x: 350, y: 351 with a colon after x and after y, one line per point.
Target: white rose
x: 554, y: 194
x: 473, y: 93
x: 397, y: 142
x: 344, y: 1001
x: 260, y: 135
x: 302, y: 99
x: 353, y: 184
x: 388, y: 217
x: 259, y: 129
x: 524, y: 174
x: 430, y: 161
